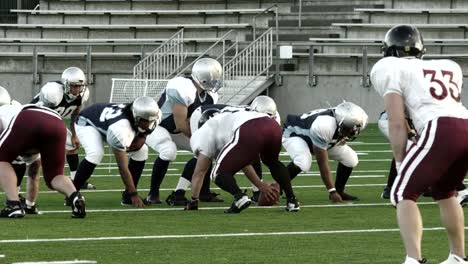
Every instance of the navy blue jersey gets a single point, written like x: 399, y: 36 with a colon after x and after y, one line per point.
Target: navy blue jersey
x: 103, y: 115
x: 66, y: 106
x: 299, y: 126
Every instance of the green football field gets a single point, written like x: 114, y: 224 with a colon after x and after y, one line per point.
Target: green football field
x: 361, y: 232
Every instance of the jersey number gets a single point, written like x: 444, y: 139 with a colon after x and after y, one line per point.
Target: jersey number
x: 439, y: 89
x: 109, y: 113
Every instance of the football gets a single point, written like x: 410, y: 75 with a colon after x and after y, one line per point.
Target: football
x: 263, y: 199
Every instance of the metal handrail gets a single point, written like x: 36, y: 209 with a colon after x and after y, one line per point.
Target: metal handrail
x: 249, y: 64
x: 146, y: 67
x: 222, y: 56
x: 254, y: 20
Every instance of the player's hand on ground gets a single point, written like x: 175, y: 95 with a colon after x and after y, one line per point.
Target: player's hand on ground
x: 270, y: 191
x: 191, y: 205
x: 335, y: 197
x: 137, y: 202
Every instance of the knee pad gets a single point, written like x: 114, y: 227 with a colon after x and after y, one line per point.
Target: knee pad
x: 351, y: 160
x: 167, y: 151
x: 139, y: 155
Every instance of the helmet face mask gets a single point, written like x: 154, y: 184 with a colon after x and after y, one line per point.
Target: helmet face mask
x: 350, y: 119
x: 74, y: 82
x: 207, y: 73
x: 146, y: 114
x: 403, y: 41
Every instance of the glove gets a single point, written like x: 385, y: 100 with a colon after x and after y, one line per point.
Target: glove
x: 191, y: 205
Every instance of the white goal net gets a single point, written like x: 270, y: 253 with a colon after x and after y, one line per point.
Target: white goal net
x: 126, y: 90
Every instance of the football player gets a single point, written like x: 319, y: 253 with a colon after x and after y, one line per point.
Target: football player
x: 21, y: 163
x: 429, y: 91
x: 124, y: 127
x: 177, y: 197
x: 74, y: 94
x: 21, y: 128
x: 236, y: 140
x: 180, y: 98
x: 324, y: 134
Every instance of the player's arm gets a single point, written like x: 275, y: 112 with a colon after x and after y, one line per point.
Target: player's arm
x: 122, y: 163
x: 321, y: 155
x: 202, y: 167
x: 180, y: 113
x: 255, y: 180
x: 74, y: 139
x: 397, y: 125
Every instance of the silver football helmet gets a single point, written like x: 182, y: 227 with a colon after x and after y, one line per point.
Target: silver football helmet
x: 145, y: 107
x: 73, y: 76
x: 5, y: 98
x: 208, y: 74
x: 264, y: 104
x: 51, y: 94
x: 351, y: 119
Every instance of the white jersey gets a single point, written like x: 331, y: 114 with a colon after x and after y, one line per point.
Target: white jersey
x: 430, y: 88
x: 7, y: 113
x: 218, y: 131
x: 182, y: 91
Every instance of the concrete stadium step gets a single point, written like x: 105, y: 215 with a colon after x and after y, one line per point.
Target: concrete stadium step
x: 312, y: 22
x: 333, y: 8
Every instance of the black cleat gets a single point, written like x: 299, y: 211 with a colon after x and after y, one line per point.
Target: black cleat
x: 31, y: 209
x: 126, y: 199
x: 149, y: 200
x: 177, y: 198
x: 292, y: 205
x: 348, y: 197
x: 243, y: 202
x: 13, y: 209
x: 211, y: 197
x: 78, y: 205
x: 386, y: 193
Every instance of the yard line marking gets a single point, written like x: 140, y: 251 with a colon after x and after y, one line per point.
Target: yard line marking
x: 217, y: 188
x: 59, y: 262
x: 180, y: 208
x: 322, y: 232
x: 240, y: 173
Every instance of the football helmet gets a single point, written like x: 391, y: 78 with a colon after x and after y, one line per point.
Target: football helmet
x: 146, y: 108
x: 208, y: 74
x: 5, y: 98
x: 51, y: 94
x: 73, y: 76
x: 264, y: 104
x: 206, y: 115
x: 403, y: 41
x: 351, y: 119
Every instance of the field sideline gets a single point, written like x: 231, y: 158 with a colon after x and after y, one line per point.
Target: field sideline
x: 362, y: 232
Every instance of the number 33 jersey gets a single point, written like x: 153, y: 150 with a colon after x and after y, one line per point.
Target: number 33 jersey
x: 430, y: 88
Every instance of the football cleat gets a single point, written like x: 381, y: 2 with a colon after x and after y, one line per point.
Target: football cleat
x: 462, y: 197
x: 177, y: 198
x: 348, y: 197
x: 454, y: 259
x: 31, y: 209
x: 149, y: 200
x: 292, y: 205
x: 78, y: 205
x: 13, y: 209
x: 409, y: 260
x: 243, y: 202
x: 386, y: 193
x: 211, y: 197
x: 88, y: 186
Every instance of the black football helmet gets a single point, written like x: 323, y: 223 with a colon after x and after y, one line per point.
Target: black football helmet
x: 206, y: 115
x: 403, y: 41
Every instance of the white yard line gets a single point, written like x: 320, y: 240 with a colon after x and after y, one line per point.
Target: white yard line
x: 321, y: 232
